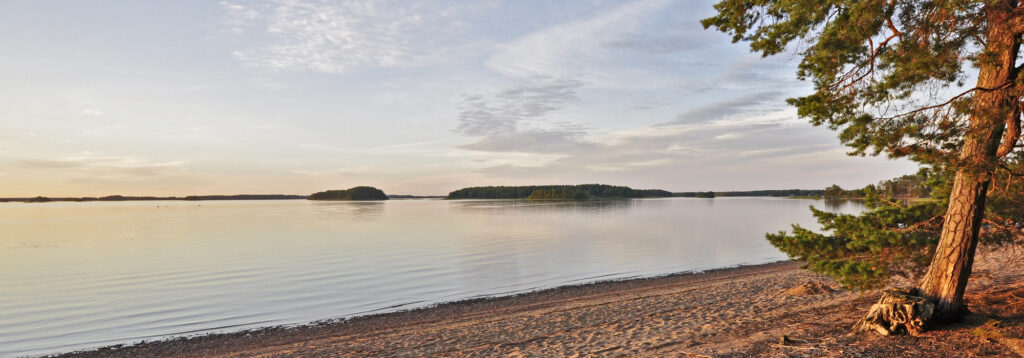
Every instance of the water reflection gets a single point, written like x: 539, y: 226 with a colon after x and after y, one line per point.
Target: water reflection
x: 600, y: 206
x: 75, y: 275
x: 360, y: 210
x: 838, y: 205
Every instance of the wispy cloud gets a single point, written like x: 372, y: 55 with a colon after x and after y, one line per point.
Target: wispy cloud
x: 451, y: 92
x: 716, y: 134
x: 520, y: 119
x: 516, y: 119
x: 672, y: 40
x: 237, y: 17
x: 590, y: 49
x: 336, y: 37
x: 506, y: 111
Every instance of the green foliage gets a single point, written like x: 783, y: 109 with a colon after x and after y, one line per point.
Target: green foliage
x: 870, y: 63
x: 863, y: 251
x: 558, y: 194
x: 885, y: 75
x: 895, y: 239
x: 1004, y: 212
x: 834, y: 192
x: 355, y: 193
x: 907, y: 186
x: 523, y: 192
x: 904, y: 187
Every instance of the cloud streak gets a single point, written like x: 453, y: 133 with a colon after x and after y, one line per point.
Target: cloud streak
x: 106, y: 165
x: 515, y: 119
x: 729, y: 107
x: 579, y: 48
x: 336, y: 37
x: 731, y: 132
x: 512, y: 107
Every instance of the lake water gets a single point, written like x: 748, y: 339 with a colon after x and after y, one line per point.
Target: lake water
x: 81, y: 275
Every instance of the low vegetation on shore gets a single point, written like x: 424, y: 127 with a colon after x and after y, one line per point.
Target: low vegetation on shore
x: 911, y: 186
x: 787, y: 193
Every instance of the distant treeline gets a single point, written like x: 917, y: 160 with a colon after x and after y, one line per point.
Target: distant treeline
x: 695, y: 194
x: 776, y: 193
x: 556, y: 192
x: 43, y: 199
x: 904, y: 187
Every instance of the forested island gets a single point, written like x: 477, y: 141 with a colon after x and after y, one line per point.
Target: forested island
x: 556, y: 192
x: 355, y: 193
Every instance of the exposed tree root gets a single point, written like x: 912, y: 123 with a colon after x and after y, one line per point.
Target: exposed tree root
x: 899, y: 310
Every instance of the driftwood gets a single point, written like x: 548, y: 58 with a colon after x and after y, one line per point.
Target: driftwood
x: 898, y: 310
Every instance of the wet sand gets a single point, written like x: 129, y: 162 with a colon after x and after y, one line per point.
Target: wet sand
x: 743, y: 311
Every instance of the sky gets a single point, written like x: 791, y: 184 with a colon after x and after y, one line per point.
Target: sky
x: 413, y: 97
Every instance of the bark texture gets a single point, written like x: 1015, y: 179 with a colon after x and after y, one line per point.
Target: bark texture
x: 991, y: 105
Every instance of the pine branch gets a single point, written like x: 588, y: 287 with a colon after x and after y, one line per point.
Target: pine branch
x: 1008, y: 170
x: 888, y: 21
x: 1006, y: 85
x: 912, y: 227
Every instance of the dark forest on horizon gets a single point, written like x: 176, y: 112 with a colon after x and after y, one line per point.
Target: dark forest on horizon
x: 907, y: 186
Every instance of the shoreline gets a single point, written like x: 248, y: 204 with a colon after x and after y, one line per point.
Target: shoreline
x: 772, y: 309
x: 463, y: 306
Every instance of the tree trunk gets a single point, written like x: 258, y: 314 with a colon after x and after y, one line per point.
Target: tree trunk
x: 946, y: 278
x: 991, y: 103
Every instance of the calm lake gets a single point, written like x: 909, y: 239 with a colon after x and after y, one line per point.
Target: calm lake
x: 81, y: 275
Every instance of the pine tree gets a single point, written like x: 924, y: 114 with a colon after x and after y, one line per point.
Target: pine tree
x: 877, y: 69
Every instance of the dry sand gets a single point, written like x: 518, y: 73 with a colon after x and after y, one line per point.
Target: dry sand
x: 765, y: 310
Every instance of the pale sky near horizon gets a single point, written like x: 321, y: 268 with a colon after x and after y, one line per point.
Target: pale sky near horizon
x: 425, y: 97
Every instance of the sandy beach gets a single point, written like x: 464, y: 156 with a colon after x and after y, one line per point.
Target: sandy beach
x: 763, y: 310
